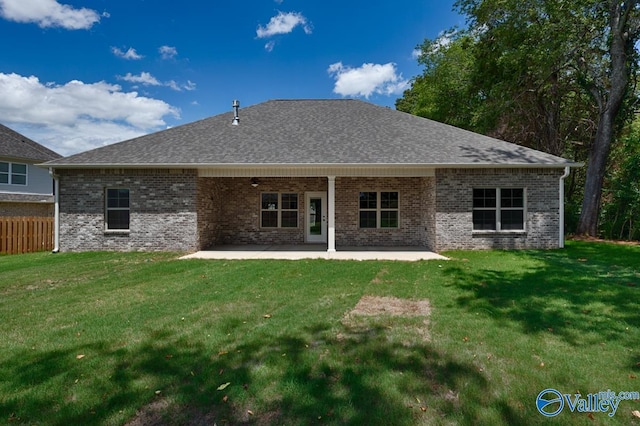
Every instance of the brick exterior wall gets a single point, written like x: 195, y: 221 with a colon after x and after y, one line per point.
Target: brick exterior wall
x: 162, y: 215
x: 413, y: 198
x: 177, y: 210
x: 26, y: 209
x: 454, y: 207
x: 229, y: 210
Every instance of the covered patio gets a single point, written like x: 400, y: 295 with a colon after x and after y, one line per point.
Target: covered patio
x: 314, y: 251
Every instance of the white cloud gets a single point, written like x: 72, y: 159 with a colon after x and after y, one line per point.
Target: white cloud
x: 129, y: 54
x: 76, y: 116
x: 144, y: 78
x: 270, y: 45
x: 283, y: 23
x: 173, y: 85
x: 167, y: 52
x: 444, y: 40
x: 367, y: 80
x: 48, y: 13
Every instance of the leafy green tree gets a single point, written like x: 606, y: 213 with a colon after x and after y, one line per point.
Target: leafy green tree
x: 549, y: 74
x: 444, y: 92
x: 607, y: 67
x: 620, y: 213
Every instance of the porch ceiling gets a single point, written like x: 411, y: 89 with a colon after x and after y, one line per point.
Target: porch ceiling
x: 315, y: 171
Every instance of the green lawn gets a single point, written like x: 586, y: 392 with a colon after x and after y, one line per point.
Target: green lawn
x: 143, y: 338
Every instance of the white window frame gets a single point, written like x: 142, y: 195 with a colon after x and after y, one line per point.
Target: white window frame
x: 279, y: 210
x: 499, y: 209
x: 379, y: 209
x: 107, y: 209
x: 10, y: 173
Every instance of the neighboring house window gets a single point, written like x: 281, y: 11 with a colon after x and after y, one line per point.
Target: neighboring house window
x: 379, y: 209
x: 117, y: 212
x: 498, y: 209
x: 4, y: 172
x: 13, y: 173
x: 279, y: 210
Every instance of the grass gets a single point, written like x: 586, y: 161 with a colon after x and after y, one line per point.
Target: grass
x: 140, y: 338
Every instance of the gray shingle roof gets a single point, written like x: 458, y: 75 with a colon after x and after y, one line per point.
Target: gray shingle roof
x: 313, y: 132
x: 15, y: 145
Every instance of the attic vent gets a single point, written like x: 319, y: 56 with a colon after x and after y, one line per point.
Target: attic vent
x: 236, y: 117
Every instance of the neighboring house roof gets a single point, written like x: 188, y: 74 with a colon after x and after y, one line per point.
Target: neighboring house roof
x: 15, y: 145
x: 313, y: 133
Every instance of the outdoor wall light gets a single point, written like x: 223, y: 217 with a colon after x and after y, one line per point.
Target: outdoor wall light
x: 254, y: 182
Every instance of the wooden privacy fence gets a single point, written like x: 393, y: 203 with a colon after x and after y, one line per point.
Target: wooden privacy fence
x: 22, y: 234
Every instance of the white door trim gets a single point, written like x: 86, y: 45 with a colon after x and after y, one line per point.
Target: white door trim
x: 322, y: 238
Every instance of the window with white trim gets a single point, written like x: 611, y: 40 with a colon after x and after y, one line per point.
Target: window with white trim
x: 498, y: 209
x: 117, y: 212
x: 13, y: 173
x: 278, y: 210
x: 379, y: 209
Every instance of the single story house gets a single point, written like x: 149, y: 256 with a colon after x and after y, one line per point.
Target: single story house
x: 334, y: 172
x: 25, y: 189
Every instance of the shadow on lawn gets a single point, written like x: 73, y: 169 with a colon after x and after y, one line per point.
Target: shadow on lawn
x: 356, y: 377
x: 585, y: 293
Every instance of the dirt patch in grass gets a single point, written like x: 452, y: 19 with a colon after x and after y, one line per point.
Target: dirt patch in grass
x: 600, y: 240
x: 378, y: 279
x: 403, y: 320
x: 375, y: 305
x: 161, y: 413
x: 151, y: 414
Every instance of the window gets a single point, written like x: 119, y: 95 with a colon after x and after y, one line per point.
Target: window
x: 13, y: 173
x: 279, y: 210
x: 117, y: 214
x: 498, y: 209
x: 379, y: 209
x: 4, y: 172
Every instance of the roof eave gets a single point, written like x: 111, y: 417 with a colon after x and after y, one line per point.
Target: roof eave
x: 307, y: 165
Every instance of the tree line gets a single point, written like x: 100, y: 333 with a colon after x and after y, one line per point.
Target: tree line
x: 555, y: 75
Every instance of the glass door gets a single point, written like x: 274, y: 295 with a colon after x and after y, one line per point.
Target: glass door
x: 316, y: 217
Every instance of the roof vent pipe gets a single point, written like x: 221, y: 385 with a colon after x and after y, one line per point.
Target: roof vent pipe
x: 236, y: 117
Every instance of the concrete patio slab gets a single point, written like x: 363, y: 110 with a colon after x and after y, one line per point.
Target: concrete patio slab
x: 315, y: 251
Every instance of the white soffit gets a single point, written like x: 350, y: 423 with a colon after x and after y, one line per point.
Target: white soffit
x: 317, y: 171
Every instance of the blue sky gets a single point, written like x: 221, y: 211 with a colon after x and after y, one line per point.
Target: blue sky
x: 75, y: 75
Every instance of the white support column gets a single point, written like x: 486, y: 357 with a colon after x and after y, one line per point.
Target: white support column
x: 331, y: 228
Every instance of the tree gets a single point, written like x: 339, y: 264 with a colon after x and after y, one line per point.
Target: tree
x: 608, y: 82
x: 552, y: 75
x: 620, y: 213
x: 444, y: 91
